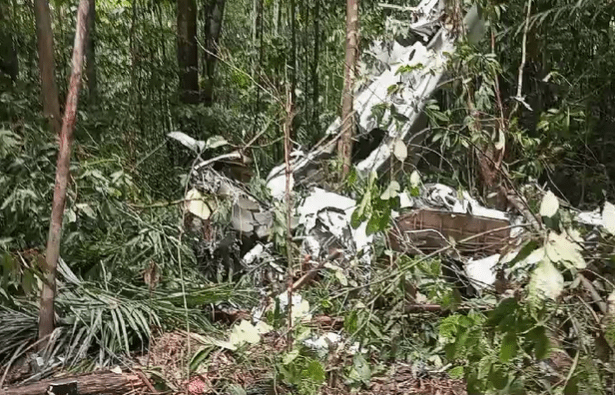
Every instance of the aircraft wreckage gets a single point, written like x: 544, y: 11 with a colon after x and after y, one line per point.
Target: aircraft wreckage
x: 426, y: 223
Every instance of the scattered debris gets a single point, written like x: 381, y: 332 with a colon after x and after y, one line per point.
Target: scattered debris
x: 326, y: 218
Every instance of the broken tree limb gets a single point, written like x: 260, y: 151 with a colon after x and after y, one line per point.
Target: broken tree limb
x: 313, y: 271
x: 107, y: 383
x: 596, y: 298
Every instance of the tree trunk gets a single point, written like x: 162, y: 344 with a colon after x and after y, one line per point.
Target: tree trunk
x: 51, y: 105
x: 258, y: 63
x: 315, y: 80
x: 293, y: 65
x: 9, y: 63
x: 187, y: 53
x: 87, y: 384
x: 215, y: 15
x: 90, y: 67
x: 46, y: 316
x: 350, y: 67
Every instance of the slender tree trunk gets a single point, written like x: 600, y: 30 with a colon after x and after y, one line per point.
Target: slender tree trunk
x: 277, y: 16
x: 214, y: 28
x: 187, y: 52
x: 293, y: 63
x: 315, y: 80
x: 259, y: 61
x: 46, y: 315
x: 350, y: 67
x: 306, y: 60
x: 51, y: 105
x: 90, y: 70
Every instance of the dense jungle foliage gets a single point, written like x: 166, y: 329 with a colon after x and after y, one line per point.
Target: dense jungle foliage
x: 128, y: 269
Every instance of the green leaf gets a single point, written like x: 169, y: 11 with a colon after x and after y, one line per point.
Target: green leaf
x: 373, y: 225
x: 537, y: 336
x: 448, y: 327
x: 361, y: 367
x: 28, y: 281
x: 355, y: 219
x: 484, y: 367
x: 315, y: 372
x: 450, y: 350
x: 351, y: 322
x: 549, y: 205
x: 199, y: 357
x: 498, y: 377
x: 456, y: 373
x: 504, y: 309
x: 509, y: 347
x: 572, y: 386
x: 290, y: 356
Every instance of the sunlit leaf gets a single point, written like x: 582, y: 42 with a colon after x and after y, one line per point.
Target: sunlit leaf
x: 415, y: 179
x: 290, y: 356
x: 215, y: 142
x: 400, y: 150
x: 546, y: 281
x: 244, y: 332
x: 560, y: 249
x: 549, y: 205
x: 196, y: 205
x: 391, y: 192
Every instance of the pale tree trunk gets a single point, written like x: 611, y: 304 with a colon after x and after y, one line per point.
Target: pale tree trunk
x: 90, y: 56
x: 258, y: 63
x: 315, y: 80
x: 213, y: 28
x: 46, y: 64
x: 350, y: 67
x: 46, y: 315
x: 293, y: 64
x: 187, y: 53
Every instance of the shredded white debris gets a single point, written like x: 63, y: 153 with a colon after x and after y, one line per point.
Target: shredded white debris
x: 254, y: 253
x: 314, y: 207
x: 300, y: 307
x: 592, y: 218
x: 277, y: 184
x: 324, y: 342
x: 481, y: 271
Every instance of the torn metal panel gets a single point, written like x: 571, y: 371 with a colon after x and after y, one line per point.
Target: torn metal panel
x: 249, y: 216
x: 430, y: 230
x: 444, y: 197
x: 326, y: 219
x: 418, y: 86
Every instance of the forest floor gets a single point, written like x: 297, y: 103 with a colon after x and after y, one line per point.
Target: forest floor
x: 252, y: 370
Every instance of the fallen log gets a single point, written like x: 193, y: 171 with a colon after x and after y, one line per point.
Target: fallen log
x: 96, y: 383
